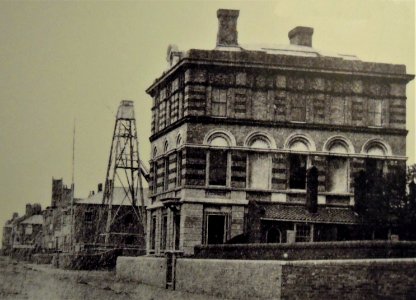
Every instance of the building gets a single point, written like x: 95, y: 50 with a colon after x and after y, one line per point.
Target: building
x: 57, y: 217
x: 235, y: 129
x: 22, y: 236
x: 7, y: 237
x: 85, y: 228
x: 126, y: 230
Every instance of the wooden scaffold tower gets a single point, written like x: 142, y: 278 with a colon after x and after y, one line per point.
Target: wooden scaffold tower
x: 125, y: 171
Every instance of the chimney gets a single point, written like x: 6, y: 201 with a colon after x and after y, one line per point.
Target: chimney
x: 227, y: 28
x: 29, y: 210
x: 301, y: 36
x: 100, y: 187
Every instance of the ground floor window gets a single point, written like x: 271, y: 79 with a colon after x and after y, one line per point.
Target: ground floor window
x: 177, y: 230
x: 303, y: 233
x: 216, y: 225
x: 273, y: 235
x: 164, y: 232
x: 153, y: 233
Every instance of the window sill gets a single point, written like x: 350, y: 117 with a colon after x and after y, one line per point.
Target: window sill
x: 296, y: 191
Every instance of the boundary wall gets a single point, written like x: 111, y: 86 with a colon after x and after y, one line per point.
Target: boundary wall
x: 393, y: 278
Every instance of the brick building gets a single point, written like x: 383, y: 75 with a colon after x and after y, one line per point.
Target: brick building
x: 235, y: 129
x: 88, y: 226
x: 57, y: 218
x: 23, y: 235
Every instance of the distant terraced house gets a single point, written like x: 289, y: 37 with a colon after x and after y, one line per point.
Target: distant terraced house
x: 235, y: 130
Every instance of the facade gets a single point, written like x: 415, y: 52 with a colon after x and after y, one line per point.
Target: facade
x: 57, y: 218
x: 235, y: 129
x: 126, y: 231
x: 24, y: 233
x: 89, y: 221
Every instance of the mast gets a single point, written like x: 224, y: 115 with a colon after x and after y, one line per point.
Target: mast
x: 72, y: 190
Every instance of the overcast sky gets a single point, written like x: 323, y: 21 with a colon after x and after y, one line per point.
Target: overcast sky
x: 61, y: 61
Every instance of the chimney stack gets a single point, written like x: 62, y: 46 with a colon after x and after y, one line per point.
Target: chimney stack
x: 100, y: 187
x: 301, y: 36
x: 29, y: 210
x: 227, y: 28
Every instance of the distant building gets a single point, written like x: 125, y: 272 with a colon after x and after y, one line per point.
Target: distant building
x: 24, y: 233
x: 235, y: 129
x: 86, y: 226
x: 56, y: 231
x: 89, y: 227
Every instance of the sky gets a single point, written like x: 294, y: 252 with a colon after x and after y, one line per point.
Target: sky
x: 73, y: 62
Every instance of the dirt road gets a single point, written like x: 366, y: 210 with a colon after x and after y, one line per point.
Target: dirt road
x: 20, y: 280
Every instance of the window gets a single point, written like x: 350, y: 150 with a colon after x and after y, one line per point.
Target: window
x: 164, y: 232
x: 298, y: 109
x: 218, y: 162
x: 216, y: 229
x: 88, y: 216
x: 179, y: 168
x: 273, y: 235
x: 154, y: 177
x: 219, y: 102
x: 337, y: 115
x: 374, y: 167
x: 374, y: 112
x: 337, y: 171
x: 29, y: 229
x: 177, y: 232
x: 153, y: 233
x: 303, y: 233
x: 259, y: 170
x: 166, y: 173
x: 218, y: 165
x: 297, y: 171
x: 337, y: 180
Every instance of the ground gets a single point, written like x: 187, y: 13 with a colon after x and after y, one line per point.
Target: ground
x: 21, y: 280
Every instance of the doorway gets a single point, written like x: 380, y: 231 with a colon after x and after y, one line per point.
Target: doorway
x: 216, y: 229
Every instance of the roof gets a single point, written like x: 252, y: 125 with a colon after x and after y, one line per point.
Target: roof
x: 119, y: 198
x: 325, y: 214
x: 35, y: 219
x: 296, y: 50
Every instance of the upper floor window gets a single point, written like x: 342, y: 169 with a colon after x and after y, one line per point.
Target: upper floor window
x: 218, y: 162
x: 298, y: 109
x: 374, y: 112
x: 297, y: 171
x: 219, y: 102
x: 259, y: 163
x: 337, y: 171
x: 337, y: 115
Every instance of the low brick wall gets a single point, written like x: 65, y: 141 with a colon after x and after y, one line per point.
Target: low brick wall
x: 349, y: 279
x: 305, y: 251
x: 265, y: 279
x: 41, y: 258
x: 143, y: 269
x: 229, y: 278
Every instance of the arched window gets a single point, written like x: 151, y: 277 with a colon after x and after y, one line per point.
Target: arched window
x: 166, y: 167
x: 218, y: 161
x: 273, y: 235
x: 337, y: 171
x: 298, y: 164
x: 259, y: 170
x: 219, y: 141
x: 154, y: 180
x: 376, y: 150
x: 298, y: 161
